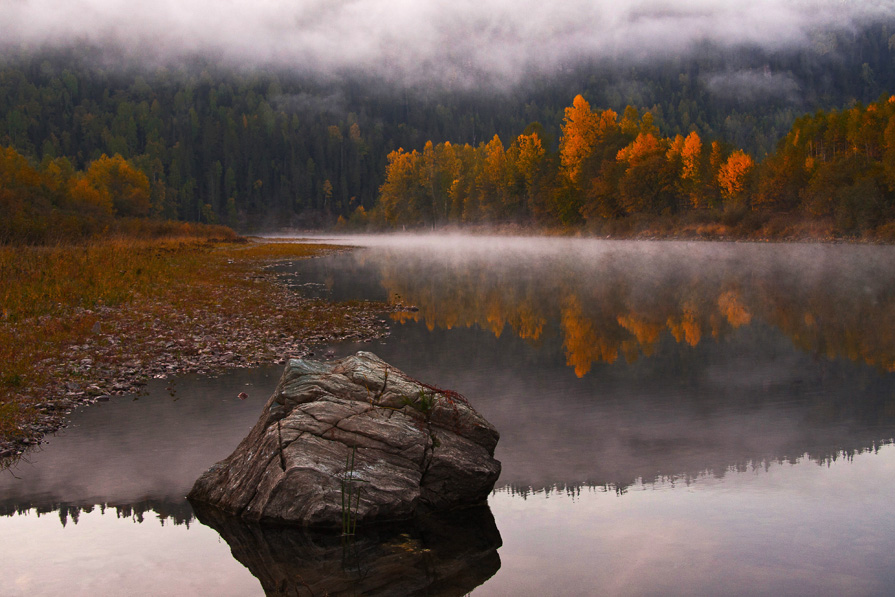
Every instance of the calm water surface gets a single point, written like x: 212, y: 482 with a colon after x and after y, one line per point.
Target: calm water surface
x: 676, y: 418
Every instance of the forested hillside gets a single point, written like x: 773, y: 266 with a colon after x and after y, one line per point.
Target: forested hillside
x: 270, y: 147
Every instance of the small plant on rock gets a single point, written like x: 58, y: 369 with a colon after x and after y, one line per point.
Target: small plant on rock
x: 424, y: 402
x: 348, y: 480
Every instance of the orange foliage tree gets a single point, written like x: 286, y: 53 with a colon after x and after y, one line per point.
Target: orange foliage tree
x: 397, y: 194
x: 838, y: 166
x: 733, y: 176
x: 118, y: 182
x: 579, y: 135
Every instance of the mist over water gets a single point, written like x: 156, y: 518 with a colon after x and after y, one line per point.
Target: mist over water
x: 618, y: 363
x: 639, y: 261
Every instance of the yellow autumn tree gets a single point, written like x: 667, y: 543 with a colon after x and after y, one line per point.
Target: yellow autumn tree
x: 648, y: 179
x: 733, y: 175
x: 641, y: 148
x: 888, y: 158
x: 56, y: 174
x: 492, y: 179
x: 710, y: 191
x: 401, y: 185
x: 85, y: 196
x: 20, y: 197
x: 449, y: 167
x: 116, y: 180
x: 431, y: 181
x: 15, y: 171
x: 647, y: 126
x: 579, y: 135
x: 630, y: 122
x: 691, y: 170
x: 527, y: 153
x: 524, y: 160
x: 691, y: 155
x: 675, y: 148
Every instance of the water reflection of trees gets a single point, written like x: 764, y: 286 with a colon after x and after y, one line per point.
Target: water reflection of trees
x: 621, y: 486
x: 619, y: 308
x: 177, y: 513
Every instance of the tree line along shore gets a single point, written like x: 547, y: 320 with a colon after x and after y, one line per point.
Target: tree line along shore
x: 832, y: 176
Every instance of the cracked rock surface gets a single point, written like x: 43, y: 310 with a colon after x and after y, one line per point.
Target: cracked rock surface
x: 357, y: 427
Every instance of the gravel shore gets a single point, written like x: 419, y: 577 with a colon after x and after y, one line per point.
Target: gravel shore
x: 257, y: 322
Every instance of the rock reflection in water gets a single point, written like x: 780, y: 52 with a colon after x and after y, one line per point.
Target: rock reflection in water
x: 436, y: 555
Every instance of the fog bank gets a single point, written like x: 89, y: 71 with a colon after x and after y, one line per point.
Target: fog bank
x: 460, y: 43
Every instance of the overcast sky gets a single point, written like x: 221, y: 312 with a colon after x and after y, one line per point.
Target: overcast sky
x: 416, y: 39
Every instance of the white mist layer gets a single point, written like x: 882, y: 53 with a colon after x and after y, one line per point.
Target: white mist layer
x: 457, y: 42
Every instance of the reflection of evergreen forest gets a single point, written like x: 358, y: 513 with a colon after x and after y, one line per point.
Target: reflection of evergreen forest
x: 608, y: 310
x: 204, y: 143
x: 171, y: 512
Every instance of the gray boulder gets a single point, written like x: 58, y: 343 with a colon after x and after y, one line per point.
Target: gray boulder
x: 354, y: 429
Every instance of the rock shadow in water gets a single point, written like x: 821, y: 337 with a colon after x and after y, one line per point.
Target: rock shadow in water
x: 445, y: 554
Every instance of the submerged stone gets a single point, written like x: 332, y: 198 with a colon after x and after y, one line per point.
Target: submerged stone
x: 354, y: 440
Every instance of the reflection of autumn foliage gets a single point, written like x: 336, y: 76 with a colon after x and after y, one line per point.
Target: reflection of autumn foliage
x: 405, y: 316
x: 686, y: 328
x: 731, y: 307
x: 645, y: 332
x: 467, y: 298
x: 584, y: 346
x: 856, y: 327
x: 606, y: 313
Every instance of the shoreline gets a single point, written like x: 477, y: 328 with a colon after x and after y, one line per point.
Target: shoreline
x: 773, y: 230
x: 315, y: 236
x: 130, y: 344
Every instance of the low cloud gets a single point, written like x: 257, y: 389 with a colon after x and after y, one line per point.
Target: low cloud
x: 460, y: 42
x: 753, y: 86
x: 307, y: 102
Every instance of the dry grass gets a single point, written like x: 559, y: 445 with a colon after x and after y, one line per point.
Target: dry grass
x: 144, y: 295
x: 280, y: 250
x: 51, y: 281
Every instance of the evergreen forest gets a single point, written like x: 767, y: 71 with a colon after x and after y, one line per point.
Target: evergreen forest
x: 727, y: 132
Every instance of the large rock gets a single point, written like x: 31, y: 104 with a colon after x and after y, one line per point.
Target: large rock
x: 356, y: 428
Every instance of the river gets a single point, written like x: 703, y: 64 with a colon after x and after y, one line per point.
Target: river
x: 676, y: 418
